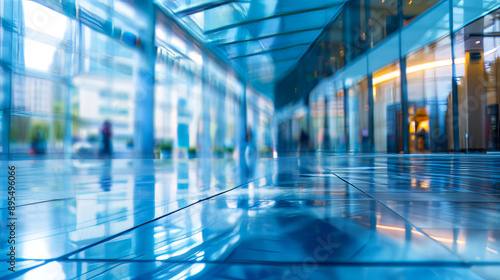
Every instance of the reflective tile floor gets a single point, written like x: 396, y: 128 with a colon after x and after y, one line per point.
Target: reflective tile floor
x: 308, y: 217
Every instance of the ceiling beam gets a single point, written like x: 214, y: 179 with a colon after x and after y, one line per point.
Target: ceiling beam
x: 253, y: 65
x: 229, y: 26
x: 269, y: 51
x: 204, y: 7
x: 327, y: 25
x: 269, y: 36
x: 490, y: 34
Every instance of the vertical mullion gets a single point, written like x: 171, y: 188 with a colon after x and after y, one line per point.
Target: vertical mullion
x: 454, y: 84
x: 403, y: 82
x: 346, y: 116
x: 371, y: 122
x: 144, y: 86
x: 7, y: 58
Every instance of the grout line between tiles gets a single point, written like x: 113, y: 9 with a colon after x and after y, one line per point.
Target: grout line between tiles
x: 66, y: 256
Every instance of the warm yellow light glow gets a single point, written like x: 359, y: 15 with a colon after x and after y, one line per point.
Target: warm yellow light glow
x: 460, y: 60
x: 417, y: 68
x: 437, y: 238
x: 424, y: 185
x: 390, y: 228
x: 413, y: 182
x: 412, y: 127
x: 429, y: 65
x: 447, y: 240
x: 423, y: 125
x: 386, y: 77
x: 374, y: 93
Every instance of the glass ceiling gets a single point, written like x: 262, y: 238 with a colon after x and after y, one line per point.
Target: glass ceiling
x: 265, y: 38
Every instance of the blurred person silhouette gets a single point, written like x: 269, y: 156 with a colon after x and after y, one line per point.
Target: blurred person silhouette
x: 250, y: 153
x: 303, y: 141
x: 106, y: 134
x: 365, y: 140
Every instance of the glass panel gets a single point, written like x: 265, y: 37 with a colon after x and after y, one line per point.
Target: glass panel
x: 426, y: 29
x: 383, y: 19
x: 105, y: 91
x: 318, y: 121
x: 38, y: 116
x: 40, y: 19
x: 358, y: 117
x: 477, y: 74
x: 43, y: 42
x: 178, y: 93
x: 232, y: 107
x: 38, y: 107
x: 164, y: 108
x: 387, y: 114
x: 430, y: 107
x: 336, y: 120
x: 384, y: 53
x: 72, y: 79
x: 1, y: 132
x: 465, y: 11
x: 264, y: 137
x: 195, y: 104
x: 412, y: 9
x: 357, y: 28
x: 197, y: 97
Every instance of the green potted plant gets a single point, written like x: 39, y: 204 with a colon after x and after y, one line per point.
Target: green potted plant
x: 38, y: 135
x: 219, y: 152
x: 229, y: 151
x: 165, y: 148
x: 266, y: 151
x: 192, y: 152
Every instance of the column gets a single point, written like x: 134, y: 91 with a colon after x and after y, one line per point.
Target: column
x: 9, y: 43
x: 183, y: 114
x: 346, y: 117
x: 242, y: 127
x: 371, y: 123
x: 205, y: 115
x: 327, y: 147
x: 220, y: 133
x: 144, y: 85
x: 404, y: 89
x: 454, y: 84
x: 475, y: 88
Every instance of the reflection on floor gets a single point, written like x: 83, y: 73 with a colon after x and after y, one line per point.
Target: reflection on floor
x: 313, y: 217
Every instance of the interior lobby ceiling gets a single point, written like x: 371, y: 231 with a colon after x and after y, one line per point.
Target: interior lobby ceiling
x: 264, y: 39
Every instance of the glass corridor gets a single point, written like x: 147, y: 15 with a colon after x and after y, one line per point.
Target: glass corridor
x: 421, y: 78
x: 150, y: 139
x: 69, y: 67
